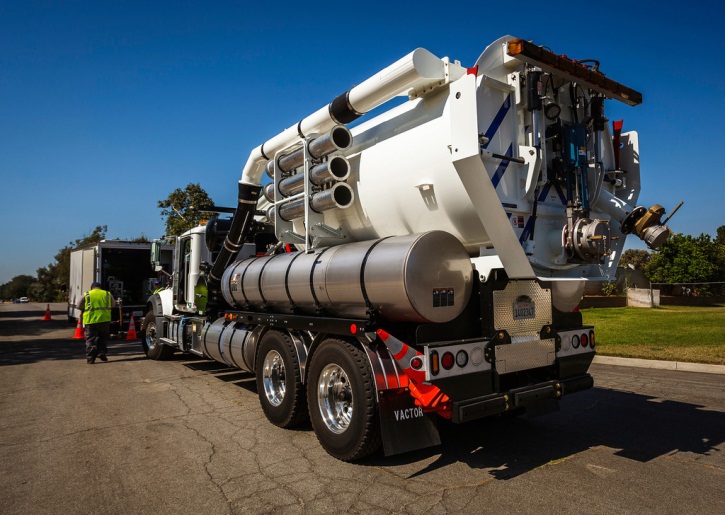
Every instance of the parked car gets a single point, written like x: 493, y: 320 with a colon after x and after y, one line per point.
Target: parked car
x: 24, y: 300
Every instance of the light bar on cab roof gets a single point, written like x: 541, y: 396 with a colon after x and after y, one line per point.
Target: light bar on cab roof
x: 551, y: 62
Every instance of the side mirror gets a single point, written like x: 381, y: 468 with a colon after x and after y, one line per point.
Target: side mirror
x: 155, y: 261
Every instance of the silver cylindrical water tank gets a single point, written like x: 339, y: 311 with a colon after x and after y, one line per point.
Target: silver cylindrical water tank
x: 225, y: 341
x: 422, y: 277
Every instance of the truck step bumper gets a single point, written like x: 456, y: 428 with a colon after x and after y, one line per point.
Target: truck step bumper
x: 480, y: 407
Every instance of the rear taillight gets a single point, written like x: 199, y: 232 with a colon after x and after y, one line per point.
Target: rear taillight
x: 585, y: 340
x: 591, y: 339
x: 461, y: 358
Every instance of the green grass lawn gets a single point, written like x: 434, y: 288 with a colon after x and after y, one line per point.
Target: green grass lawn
x: 673, y: 333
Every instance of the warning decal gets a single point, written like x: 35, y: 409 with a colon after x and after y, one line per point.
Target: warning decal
x: 443, y: 297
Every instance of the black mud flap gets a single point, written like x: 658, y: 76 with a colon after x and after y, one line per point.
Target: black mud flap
x: 404, y: 425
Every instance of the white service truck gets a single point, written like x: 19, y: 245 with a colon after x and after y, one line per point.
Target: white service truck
x: 124, y: 269
x: 425, y: 263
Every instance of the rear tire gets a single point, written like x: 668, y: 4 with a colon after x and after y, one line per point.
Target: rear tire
x: 342, y: 401
x: 153, y: 348
x: 279, y: 383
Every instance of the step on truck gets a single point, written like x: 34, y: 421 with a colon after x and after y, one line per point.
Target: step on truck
x: 426, y: 263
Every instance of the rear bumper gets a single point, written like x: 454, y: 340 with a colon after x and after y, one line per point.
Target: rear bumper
x: 471, y: 409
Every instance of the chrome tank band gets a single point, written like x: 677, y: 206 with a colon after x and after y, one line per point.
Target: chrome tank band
x: 423, y: 277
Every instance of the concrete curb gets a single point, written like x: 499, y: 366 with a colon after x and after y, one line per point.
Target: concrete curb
x: 661, y: 365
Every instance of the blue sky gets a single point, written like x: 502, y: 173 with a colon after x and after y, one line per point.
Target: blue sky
x: 106, y: 107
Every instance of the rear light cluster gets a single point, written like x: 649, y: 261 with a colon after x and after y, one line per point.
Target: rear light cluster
x: 584, y: 340
x: 416, y: 363
x: 447, y: 360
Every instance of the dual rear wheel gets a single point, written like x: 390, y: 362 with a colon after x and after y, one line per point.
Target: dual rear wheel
x: 338, y: 396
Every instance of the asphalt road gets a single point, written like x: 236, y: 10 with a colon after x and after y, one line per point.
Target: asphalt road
x: 188, y: 436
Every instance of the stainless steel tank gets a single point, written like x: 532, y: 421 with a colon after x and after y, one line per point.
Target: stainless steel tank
x: 230, y: 343
x: 423, y: 277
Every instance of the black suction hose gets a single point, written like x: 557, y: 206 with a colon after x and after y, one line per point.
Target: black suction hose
x: 241, y: 222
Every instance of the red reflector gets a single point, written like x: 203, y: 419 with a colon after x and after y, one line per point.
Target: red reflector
x: 591, y: 339
x: 416, y: 363
x: 447, y: 360
x: 353, y: 329
x: 585, y: 340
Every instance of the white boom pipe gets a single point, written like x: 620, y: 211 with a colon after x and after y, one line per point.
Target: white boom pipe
x: 613, y: 206
x: 417, y: 71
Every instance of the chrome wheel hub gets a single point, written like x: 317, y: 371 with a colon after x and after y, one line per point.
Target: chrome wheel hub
x: 273, y: 378
x: 334, y: 398
x: 150, y: 335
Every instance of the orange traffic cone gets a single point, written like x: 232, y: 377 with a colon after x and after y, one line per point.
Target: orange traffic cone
x: 47, y: 313
x: 79, y: 331
x: 131, y: 334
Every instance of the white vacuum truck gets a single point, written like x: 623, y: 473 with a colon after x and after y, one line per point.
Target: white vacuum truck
x: 423, y: 263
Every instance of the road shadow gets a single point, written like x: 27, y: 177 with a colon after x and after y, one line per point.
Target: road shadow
x: 23, y: 352
x: 10, y: 328
x: 41, y: 343
x: 224, y: 373
x: 639, y: 427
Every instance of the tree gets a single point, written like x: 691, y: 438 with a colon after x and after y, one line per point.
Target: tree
x: 183, y: 209
x: 720, y: 251
x: 637, y: 258
x: 720, y: 237
x: 52, y: 282
x: 685, y: 259
x: 48, y: 285
x: 18, y: 286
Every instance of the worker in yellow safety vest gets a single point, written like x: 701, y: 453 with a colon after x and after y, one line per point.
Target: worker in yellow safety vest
x: 96, y: 305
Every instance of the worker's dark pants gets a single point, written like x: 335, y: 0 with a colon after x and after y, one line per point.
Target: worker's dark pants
x: 96, y: 337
